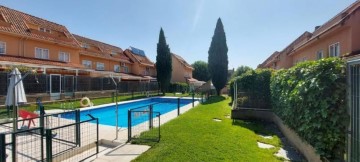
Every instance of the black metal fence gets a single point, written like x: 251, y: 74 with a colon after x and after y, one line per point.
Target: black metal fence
x: 64, y: 135
x: 144, y: 122
x: 353, y: 152
x: 40, y: 83
x: 142, y: 119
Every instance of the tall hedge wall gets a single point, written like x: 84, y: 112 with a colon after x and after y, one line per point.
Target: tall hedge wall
x: 310, y: 98
x: 254, y: 88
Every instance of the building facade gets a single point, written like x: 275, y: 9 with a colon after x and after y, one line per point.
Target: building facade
x: 51, y: 49
x: 181, y: 70
x: 338, y: 37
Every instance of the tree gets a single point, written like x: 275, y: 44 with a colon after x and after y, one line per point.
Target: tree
x: 218, y: 59
x: 201, y: 71
x: 163, y: 63
x: 241, y: 70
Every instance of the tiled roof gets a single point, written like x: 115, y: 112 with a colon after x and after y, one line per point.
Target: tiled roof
x: 137, y: 58
x: 104, y: 50
x: 338, y: 19
x: 36, y: 61
x: 182, y: 60
x: 16, y: 22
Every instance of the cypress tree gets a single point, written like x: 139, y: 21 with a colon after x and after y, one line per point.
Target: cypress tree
x: 218, y: 59
x: 163, y: 63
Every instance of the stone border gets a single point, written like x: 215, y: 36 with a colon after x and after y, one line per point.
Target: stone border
x: 264, y: 114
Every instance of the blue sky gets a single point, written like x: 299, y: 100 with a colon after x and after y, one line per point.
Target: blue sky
x: 254, y: 28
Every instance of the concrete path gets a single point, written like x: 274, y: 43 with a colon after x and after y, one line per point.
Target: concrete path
x: 123, y: 153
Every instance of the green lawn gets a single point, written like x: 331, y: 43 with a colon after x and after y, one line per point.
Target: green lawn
x: 194, y: 136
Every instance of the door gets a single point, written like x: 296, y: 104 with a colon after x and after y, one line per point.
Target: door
x: 55, y: 86
x: 68, y: 86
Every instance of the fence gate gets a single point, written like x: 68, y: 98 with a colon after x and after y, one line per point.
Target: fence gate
x: 354, y: 111
x: 23, y: 145
x: 55, y: 86
x: 140, y: 121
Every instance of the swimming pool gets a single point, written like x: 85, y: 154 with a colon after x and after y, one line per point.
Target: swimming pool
x: 107, y: 114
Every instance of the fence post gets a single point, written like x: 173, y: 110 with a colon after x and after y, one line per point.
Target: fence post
x: 2, y: 148
x: 132, y: 94
x: 48, y: 137
x: 13, y: 146
x: 129, y: 125
x: 193, y: 100
x: 97, y: 135
x: 41, y: 110
x: 178, y: 106
x: 112, y: 97
x: 77, y: 126
x: 42, y: 142
x: 150, y: 116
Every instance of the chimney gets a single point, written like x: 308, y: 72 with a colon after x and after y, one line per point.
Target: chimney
x: 317, y: 27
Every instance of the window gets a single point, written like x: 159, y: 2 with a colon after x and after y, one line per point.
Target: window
x: 64, y: 56
x: 147, y: 71
x: 41, y: 53
x: 334, y: 50
x: 45, y: 30
x: 117, y: 68
x: 87, y: 63
x: 126, y: 69
x: 113, y: 52
x: 2, y: 47
x: 100, y: 66
x: 122, y: 64
x: 319, y: 54
x: 84, y: 45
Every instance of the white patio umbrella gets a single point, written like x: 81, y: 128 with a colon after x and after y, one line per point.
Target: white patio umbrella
x: 15, y: 94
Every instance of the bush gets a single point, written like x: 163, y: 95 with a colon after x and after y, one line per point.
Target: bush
x: 178, y: 87
x: 310, y: 99
x: 253, y: 88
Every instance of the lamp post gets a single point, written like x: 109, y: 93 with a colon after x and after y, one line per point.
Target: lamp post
x: 116, y: 109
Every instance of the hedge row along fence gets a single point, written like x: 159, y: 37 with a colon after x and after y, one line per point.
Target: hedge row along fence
x: 253, y: 89
x: 310, y: 99
x: 178, y: 87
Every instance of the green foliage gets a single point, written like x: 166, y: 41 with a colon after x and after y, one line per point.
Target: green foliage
x: 163, y: 62
x: 241, y: 70
x: 178, y: 87
x: 253, y: 88
x: 218, y: 59
x: 201, y: 71
x: 310, y: 99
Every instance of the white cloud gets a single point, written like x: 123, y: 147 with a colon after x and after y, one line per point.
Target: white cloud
x: 197, y: 15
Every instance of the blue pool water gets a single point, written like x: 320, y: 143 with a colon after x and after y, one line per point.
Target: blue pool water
x: 107, y: 115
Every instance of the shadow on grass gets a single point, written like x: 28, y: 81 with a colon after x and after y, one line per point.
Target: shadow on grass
x: 214, y: 99
x: 259, y: 127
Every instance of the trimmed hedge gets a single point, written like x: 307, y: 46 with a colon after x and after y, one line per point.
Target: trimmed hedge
x: 310, y: 99
x: 254, y: 89
x: 178, y: 87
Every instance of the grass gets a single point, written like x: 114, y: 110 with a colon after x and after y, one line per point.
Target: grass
x: 194, y: 136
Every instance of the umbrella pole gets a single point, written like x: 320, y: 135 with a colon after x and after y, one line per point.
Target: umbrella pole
x: 14, y: 111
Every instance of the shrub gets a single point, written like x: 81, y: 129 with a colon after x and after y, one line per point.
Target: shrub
x: 178, y: 87
x: 310, y: 99
x: 253, y: 88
